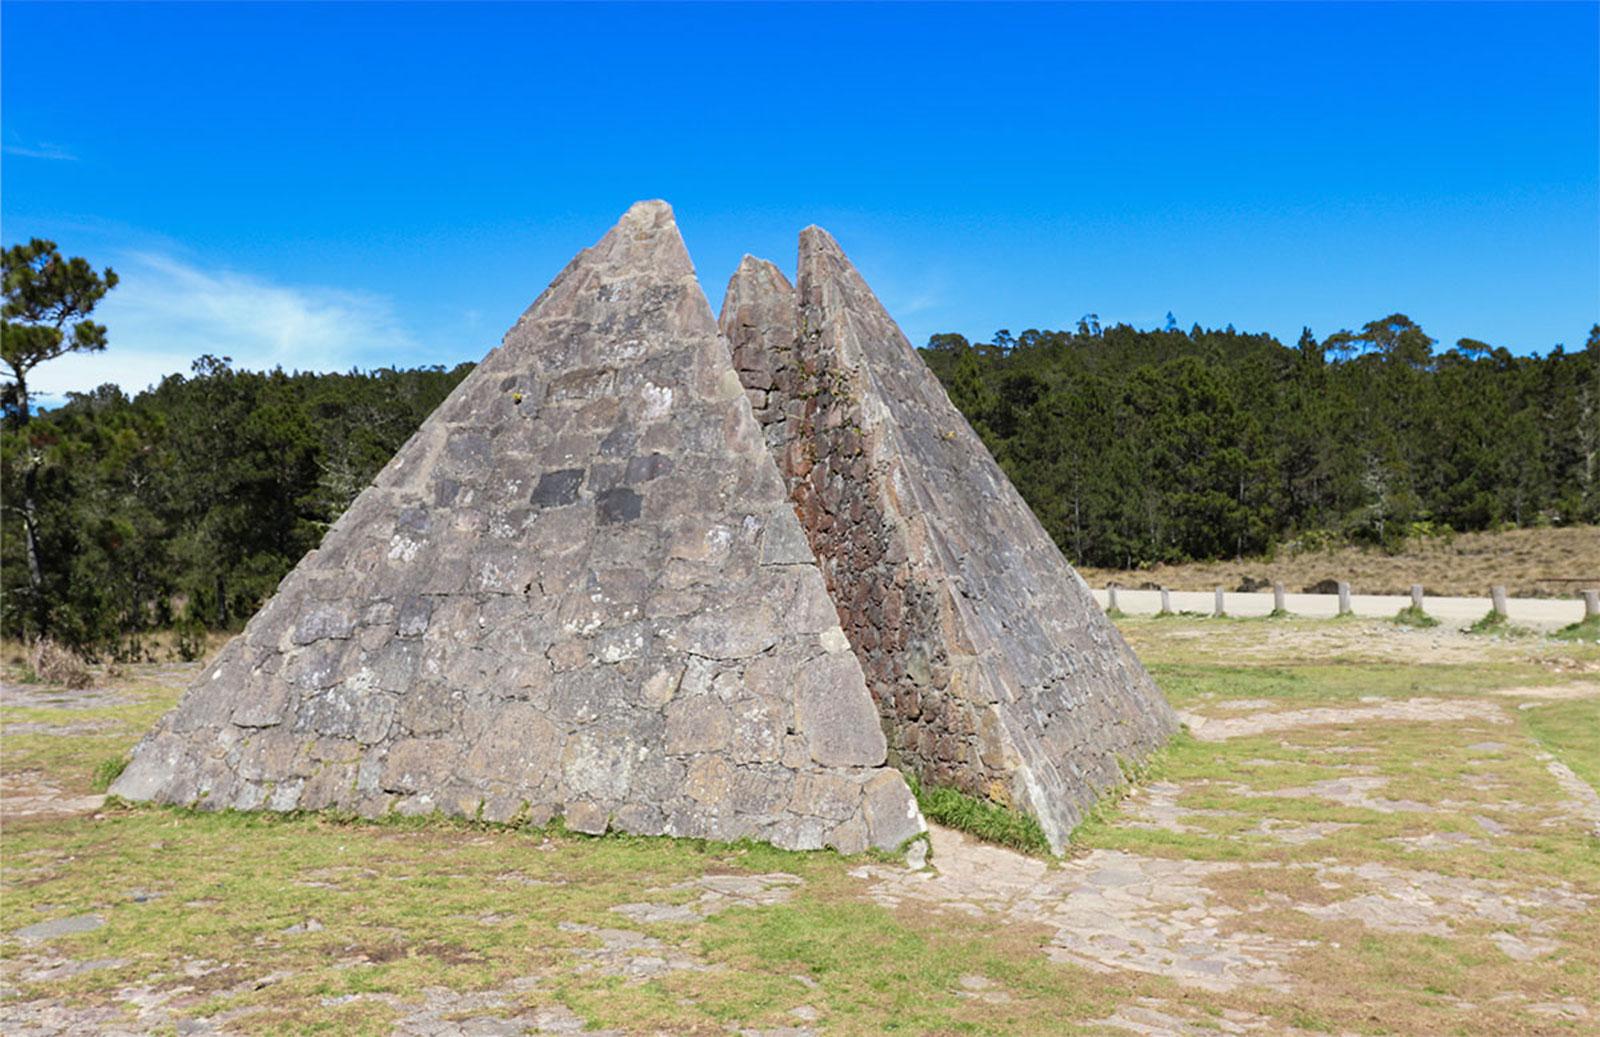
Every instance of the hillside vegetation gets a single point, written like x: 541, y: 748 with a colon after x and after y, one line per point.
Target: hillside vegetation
x: 160, y: 517
x: 186, y: 504
x: 1140, y: 447
x: 1529, y: 563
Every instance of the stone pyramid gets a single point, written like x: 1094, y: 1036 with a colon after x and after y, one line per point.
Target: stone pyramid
x: 993, y: 668
x: 579, y: 590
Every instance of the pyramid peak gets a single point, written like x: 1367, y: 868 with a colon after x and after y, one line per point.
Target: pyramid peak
x: 652, y: 209
x: 754, y: 267
x: 817, y: 239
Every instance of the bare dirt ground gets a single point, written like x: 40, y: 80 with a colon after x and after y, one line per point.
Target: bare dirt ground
x: 1367, y: 830
x: 1530, y: 563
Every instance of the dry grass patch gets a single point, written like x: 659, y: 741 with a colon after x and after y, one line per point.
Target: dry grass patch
x: 1528, y: 562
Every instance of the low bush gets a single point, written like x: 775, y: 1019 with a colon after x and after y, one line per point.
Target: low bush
x: 54, y: 663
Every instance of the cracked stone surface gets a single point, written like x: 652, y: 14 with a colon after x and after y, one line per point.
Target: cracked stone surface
x: 1155, y: 806
x: 717, y: 893
x: 1110, y: 910
x: 1152, y: 1017
x: 56, y: 927
x: 1220, y: 729
x: 30, y: 794
x: 1351, y: 792
x: 157, y: 1005
x: 1411, y: 901
x: 579, y: 590
x: 1583, y: 802
x: 631, y: 955
x: 993, y: 668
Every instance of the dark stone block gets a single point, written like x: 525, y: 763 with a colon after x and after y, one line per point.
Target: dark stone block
x: 557, y: 489
x: 643, y: 469
x: 619, y: 505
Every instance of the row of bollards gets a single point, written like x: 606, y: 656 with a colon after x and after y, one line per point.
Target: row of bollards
x: 1497, y: 598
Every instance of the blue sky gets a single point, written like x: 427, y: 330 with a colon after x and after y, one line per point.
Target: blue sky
x: 363, y: 184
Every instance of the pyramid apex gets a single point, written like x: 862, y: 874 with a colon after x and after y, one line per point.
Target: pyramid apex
x: 755, y: 268
x: 650, y: 209
x: 816, y: 239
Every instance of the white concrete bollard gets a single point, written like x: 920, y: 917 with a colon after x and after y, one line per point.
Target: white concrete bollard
x: 1279, y: 593
x: 1416, y: 596
x: 1219, y: 610
x: 1344, y: 598
x: 1591, y: 604
x: 1497, y: 595
x: 1111, y: 598
x: 1166, y: 600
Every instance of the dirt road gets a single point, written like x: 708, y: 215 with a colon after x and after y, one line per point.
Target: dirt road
x: 1534, y: 613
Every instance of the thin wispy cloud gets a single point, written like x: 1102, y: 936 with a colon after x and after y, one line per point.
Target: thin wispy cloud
x: 40, y: 149
x: 166, y: 312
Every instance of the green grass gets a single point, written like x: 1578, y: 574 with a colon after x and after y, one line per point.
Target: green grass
x: 1583, y: 630
x: 1413, y: 616
x: 73, y: 746
x: 1495, y: 623
x: 108, y: 771
x: 400, y: 909
x: 1325, y: 682
x: 402, y: 903
x: 988, y: 821
x: 1571, y: 731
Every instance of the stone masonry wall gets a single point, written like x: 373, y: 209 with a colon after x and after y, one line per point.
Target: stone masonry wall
x: 811, y: 408
x: 992, y: 667
x: 578, y: 591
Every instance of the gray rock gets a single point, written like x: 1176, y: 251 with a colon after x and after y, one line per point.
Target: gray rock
x: 579, y: 589
x: 57, y: 927
x: 992, y: 667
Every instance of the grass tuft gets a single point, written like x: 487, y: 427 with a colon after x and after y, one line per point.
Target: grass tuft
x: 107, y: 771
x: 1413, y: 616
x: 988, y: 821
x: 1497, y: 625
x: 1583, y: 630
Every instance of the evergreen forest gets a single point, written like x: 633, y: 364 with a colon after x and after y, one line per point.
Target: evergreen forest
x: 180, y: 508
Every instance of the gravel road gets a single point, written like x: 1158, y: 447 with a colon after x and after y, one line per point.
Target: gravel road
x: 1535, y: 613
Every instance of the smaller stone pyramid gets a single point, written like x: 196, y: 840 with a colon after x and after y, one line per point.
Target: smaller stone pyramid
x: 993, y: 668
x: 579, y: 591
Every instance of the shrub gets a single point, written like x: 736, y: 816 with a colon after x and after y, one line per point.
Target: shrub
x: 57, y: 664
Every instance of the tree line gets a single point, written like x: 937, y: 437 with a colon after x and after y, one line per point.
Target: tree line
x: 1136, y: 447
x: 182, y: 507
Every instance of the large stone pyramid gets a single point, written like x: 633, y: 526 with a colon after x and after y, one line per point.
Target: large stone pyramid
x: 579, y: 590
x: 993, y: 668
